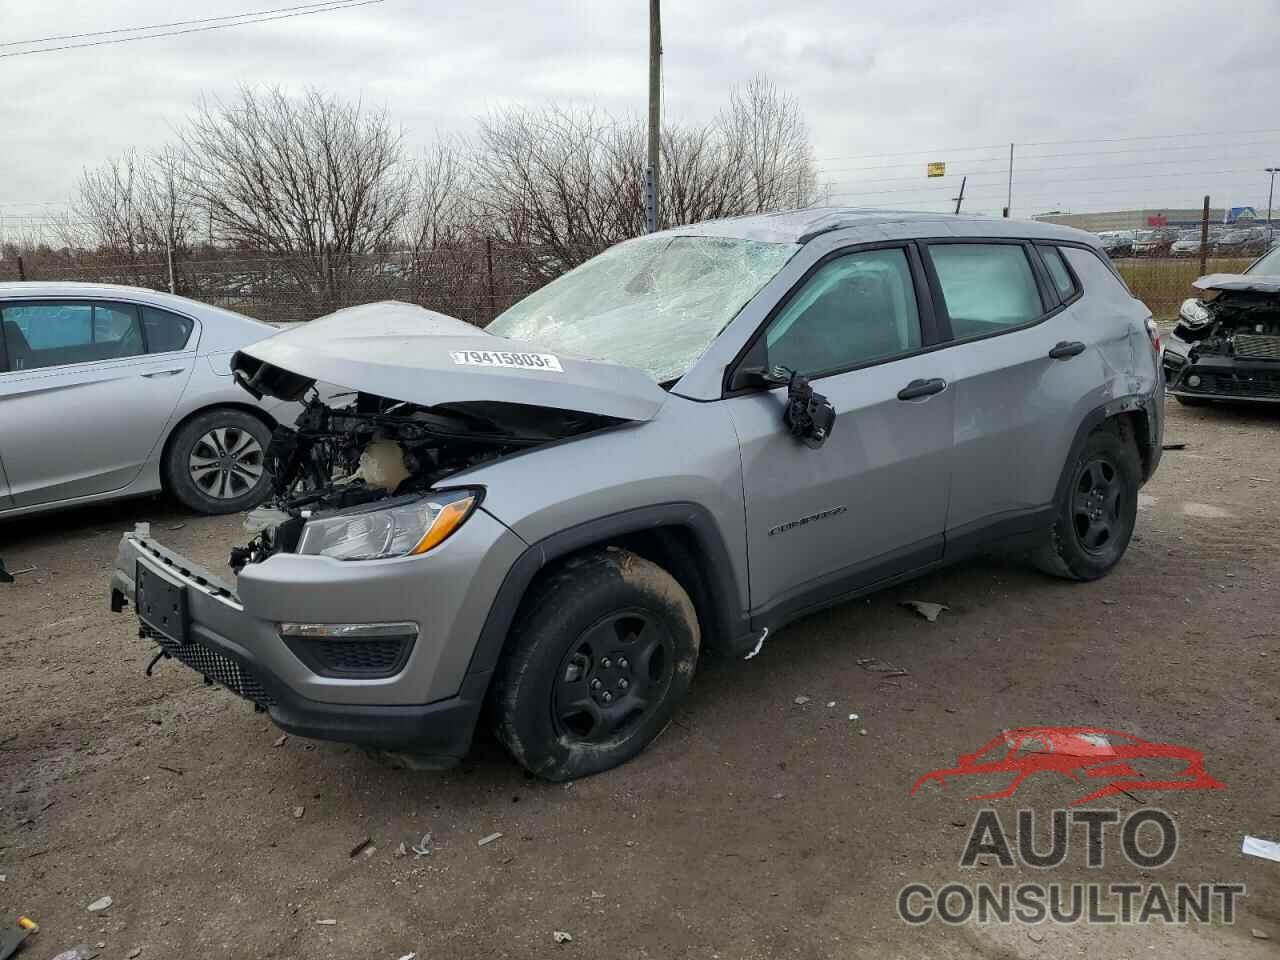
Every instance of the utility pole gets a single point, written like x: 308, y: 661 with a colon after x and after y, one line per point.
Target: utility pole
x: 1271, y: 196
x: 1204, y: 235
x: 1008, y: 202
x: 655, y: 113
x: 168, y: 250
x: 960, y: 199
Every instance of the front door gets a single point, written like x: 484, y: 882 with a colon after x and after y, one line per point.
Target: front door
x: 870, y: 502
x: 82, y: 403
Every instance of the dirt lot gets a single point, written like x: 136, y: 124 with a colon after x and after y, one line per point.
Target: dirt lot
x: 755, y: 827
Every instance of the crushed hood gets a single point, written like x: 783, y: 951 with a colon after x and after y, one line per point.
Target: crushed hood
x: 414, y: 355
x: 1238, y: 281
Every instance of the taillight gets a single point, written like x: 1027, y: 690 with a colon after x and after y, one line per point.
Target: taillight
x: 1153, y: 334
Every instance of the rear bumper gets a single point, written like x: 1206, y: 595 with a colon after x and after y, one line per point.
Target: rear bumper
x: 1218, y: 377
x: 230, y: 642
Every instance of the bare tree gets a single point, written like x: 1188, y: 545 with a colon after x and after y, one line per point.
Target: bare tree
x: 767, y: 153
x: 111, y: 213
x: 439, y: 212
x: 568, y: 182
x: 316, y: 179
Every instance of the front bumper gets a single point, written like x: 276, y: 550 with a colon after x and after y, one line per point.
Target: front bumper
x: 231, y: 636
x: 1219, y: 377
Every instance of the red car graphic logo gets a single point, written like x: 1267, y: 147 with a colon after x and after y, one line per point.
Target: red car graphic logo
x: 1077, y: 752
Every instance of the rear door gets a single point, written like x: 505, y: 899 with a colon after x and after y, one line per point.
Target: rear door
x: 82, y: 403
x: 871, y: 501
x: 1024, y: 369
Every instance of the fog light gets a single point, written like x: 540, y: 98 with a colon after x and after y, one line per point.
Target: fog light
x: 1193, y: 380
x: 348, y: 631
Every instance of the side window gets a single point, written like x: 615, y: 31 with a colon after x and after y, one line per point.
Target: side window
x: 58, y: 333
x: 1058, y: 271
x: 166, y: 331
x: 857, y: 308
x: 1096, y: 277
x: 987, y: 287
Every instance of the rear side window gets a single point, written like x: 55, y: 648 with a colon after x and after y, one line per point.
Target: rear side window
x: 1098, y: 279
x: 1058, y: 271
x: 166, y: 331
x: 55, y: 334
x: 987, y: 287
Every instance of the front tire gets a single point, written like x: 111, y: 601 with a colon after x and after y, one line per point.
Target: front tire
x: 602, y: 654
x: 1098, y: 511
x: 216, y: 462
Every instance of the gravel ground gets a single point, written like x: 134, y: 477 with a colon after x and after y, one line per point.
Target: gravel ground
x: 759, y: 825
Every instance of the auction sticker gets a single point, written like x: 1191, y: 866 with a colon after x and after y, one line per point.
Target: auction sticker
x: 548, y: 362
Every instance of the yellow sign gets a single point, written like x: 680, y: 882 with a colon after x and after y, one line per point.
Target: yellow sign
x: 937, y: 170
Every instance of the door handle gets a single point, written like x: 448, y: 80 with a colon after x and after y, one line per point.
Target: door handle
x: 1066, y: 349
x: 163, y: 373
x: 922, y: 388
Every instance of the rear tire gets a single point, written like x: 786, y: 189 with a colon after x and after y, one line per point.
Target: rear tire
x: 216, y: 462
x: 1098, y: 510
x: 602, y: 654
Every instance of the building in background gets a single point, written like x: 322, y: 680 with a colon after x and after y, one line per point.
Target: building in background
x: 1151, y: 218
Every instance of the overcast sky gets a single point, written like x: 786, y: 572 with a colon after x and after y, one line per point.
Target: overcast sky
x: 885, y: 86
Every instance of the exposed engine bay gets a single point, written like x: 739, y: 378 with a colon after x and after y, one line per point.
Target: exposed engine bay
x: 336, y: 458
x: 1235, y: 323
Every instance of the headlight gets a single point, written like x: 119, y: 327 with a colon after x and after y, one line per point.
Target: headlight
x: 402, y: 530
x: 1193, y: 312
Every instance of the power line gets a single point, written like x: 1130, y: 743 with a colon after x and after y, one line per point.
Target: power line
x: 337, y: 5
x: 1045, y: 143
x: 160, y: 26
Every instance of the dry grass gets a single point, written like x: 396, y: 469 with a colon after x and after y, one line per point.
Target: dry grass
x: 1162, y: 284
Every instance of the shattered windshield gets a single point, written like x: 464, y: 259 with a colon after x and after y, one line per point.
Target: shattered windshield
x: 654, y: 303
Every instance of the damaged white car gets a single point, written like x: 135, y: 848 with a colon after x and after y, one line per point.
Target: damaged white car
x: 1226, y: 345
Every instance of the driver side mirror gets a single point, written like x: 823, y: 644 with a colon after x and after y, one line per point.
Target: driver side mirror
x: 807, y: 415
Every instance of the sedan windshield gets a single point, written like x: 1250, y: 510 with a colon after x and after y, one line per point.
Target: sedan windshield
x: 654, y: 303
x: 1268, y: 266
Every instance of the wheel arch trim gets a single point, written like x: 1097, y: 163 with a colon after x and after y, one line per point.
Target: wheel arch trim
x: 714, y: 568
x: 1131, y: 405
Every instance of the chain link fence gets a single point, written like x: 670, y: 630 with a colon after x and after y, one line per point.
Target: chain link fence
x: 472, y: 281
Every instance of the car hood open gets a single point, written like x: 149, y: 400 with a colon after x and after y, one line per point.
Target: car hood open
x: 1238, y: 281
x: 408, y: 353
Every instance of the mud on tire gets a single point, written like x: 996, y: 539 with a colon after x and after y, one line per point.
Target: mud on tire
x: 602, y: 652
x: 1096, y: 513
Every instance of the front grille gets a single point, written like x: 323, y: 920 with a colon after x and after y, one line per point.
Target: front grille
x: 368, y: 657
x: 1255, y: 346
x: 216, y: 666
x: 1262, y: 386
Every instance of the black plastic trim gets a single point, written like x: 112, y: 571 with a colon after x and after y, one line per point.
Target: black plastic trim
x: 847, y: 583
x: 307, y: 650
x: 716, y: 567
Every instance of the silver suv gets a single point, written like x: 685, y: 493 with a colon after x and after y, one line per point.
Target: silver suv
x: 682, y: 445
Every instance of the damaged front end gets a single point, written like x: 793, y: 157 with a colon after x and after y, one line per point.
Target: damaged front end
x: 1227, y: 347
x: 351, y: 481
x: 366, y: 474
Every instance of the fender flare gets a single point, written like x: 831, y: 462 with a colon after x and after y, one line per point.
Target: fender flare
x: 1131, y: 403
x: 717, y: 571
